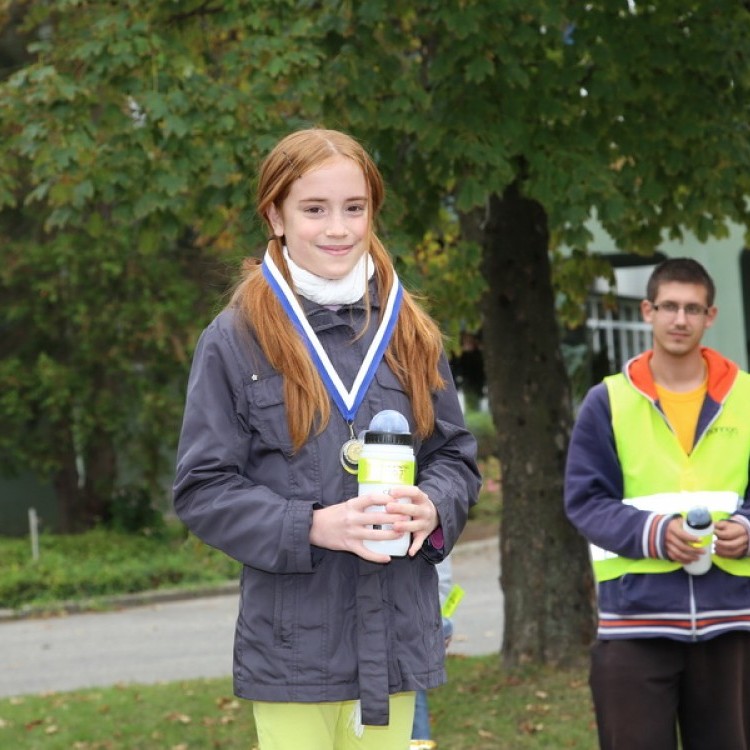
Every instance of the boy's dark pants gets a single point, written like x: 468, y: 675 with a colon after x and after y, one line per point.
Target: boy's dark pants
x: 644, y: 688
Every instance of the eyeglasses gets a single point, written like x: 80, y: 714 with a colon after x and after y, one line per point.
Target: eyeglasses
x: 692, y: 309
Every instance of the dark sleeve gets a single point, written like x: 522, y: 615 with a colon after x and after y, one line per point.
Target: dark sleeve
x: 216, y: 501
x: 594, y: 486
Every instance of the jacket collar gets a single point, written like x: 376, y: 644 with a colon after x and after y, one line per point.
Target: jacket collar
x: 722, y: 373
x: 321, y: 316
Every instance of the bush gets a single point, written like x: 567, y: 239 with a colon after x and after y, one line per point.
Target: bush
x: 133, y: 510
x: 104, y: 563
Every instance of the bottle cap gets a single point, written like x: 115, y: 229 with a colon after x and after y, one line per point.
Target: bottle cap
x: 699, y: 517
x: 388, y: 427
x: 390, y: 420
x: 387, y: 438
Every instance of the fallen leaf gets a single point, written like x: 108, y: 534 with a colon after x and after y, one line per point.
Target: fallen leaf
x: 539, y: 708
x: 176, y: 716
x: 228, y: 704
x: 529, y: 727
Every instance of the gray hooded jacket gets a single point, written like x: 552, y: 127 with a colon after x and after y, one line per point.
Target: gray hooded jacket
x: 314, y: 625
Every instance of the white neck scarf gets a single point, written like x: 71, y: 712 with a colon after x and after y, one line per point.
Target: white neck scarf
x: 342, y: 291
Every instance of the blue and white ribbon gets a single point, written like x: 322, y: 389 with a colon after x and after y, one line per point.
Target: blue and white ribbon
x: 347, y: 401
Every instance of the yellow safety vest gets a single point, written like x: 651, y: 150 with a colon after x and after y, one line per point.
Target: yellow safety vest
x: 658, y: 475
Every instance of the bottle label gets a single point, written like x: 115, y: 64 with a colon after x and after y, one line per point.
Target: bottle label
x: 703, y: 541
x: 385, y: 471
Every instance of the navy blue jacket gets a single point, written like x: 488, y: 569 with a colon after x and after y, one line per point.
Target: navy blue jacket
x: 314, y: 624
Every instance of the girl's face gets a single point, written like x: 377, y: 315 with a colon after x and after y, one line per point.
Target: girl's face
x: 325, y: 218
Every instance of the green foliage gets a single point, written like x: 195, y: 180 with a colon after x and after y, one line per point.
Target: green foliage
x: 103, y: 563
x: 133, y: 510
x: 482, y: 707
x: 446, y: 272
x: 635, y: 116
x: 573, y: 274
x: 129, y: 145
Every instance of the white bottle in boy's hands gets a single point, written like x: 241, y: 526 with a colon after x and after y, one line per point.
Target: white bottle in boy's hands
x: 386, y: 461
x: 698, y: 522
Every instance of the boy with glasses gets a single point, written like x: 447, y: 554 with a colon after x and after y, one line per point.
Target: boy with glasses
x: 671, y: 432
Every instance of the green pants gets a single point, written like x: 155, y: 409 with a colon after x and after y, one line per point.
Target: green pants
x: 331, y: 726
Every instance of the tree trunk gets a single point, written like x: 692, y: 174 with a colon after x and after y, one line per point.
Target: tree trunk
x: 101, y: 470
x: 85, y: 504
x: 546, y: 576
x: 65, y: 482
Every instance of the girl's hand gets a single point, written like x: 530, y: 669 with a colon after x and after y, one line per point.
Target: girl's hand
x: 344, y: 526
x: 419, y: 516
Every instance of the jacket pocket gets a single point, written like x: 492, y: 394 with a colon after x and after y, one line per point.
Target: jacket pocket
x: 267, y: 412
x: 283, y: 610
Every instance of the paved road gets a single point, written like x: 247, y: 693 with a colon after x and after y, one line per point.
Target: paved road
x: 186, y: 639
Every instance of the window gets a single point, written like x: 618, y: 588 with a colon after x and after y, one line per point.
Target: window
x: 615, y: 336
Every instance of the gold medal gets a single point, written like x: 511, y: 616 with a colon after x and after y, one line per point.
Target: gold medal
x: 350, y: 452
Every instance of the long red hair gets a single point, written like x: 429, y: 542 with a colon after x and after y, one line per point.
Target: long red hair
x: 416, y: 345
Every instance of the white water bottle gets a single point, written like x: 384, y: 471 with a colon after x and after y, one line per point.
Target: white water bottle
x: 698, y: 522
x: 386, y: 461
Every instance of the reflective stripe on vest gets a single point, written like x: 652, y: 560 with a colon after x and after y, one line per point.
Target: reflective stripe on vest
x: 608, y: 565
x: 658, y: 476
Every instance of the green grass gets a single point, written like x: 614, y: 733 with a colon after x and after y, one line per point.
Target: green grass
x: 483, y: 707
